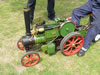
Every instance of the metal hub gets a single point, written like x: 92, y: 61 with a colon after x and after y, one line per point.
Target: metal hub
x: 73, y: 45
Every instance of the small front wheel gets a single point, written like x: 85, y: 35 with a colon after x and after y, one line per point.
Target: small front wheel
x: 20, y: 44
x: 31, y: 58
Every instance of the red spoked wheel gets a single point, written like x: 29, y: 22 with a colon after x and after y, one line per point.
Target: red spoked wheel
x: 31, y: 58
x: 20, y: 44
x: 71, y: 43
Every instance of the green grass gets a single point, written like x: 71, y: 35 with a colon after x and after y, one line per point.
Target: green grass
x: 12, y: 28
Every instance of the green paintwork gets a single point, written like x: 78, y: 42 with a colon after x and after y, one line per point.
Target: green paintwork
x: 47, y: 36
x: 39, y: 39
x: 50, y: 34
x: 57, y: 20
x: 53, y: 24
x: 67, y: 28
x: 51, y: 48
x: 83, y: 32
x: 44, y: 48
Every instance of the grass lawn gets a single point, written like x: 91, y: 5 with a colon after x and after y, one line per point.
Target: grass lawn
x: 12, y: 28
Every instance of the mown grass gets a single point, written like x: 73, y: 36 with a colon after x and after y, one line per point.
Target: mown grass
x: 12, y: 28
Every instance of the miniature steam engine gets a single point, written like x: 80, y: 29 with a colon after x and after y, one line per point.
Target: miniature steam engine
x: 49, y: 38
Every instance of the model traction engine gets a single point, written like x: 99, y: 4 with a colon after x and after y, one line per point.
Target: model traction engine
x: 49, y: 38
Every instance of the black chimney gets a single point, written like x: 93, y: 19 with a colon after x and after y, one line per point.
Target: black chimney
x: 27, y: 21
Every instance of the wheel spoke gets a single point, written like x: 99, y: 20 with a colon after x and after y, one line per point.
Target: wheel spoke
x: 66, y: 45
x: 73, y: 39
x: 69, y: 41
x: 33, y: 60
x: 77, y: 39
x: 25, y: 59
x: 27, y: 56
x: 36, y: 58
x: 70, y: 51
x: 30, y: 55
x: 80, y: 45
x: 30, y: 63
x: 79, y: 42
x: 33, y: 57
x: 26, y: 62
x: 67, y: 49
x: 76, y: 47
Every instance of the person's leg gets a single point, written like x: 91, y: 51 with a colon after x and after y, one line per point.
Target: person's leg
x: 50, y: 8
x: 80, y: 12
x: 90, y: 35
x: 94, y: 28
x: 92, y: 32
x: 31, y: 5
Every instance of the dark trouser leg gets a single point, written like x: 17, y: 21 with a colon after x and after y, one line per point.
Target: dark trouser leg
x: 50, y: 8
x: 31, y: 5
x: 80, y: 12
x: 94, y: 28
x: 91, y: 34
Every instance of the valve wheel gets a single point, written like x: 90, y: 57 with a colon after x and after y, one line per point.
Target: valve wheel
x: 20, y: 44
x: 31, y: 58
x: 71, y: 43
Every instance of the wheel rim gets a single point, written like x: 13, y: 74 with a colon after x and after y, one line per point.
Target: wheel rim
x: 20, y: 45
x: 73, y: 45
x: 30, y: 59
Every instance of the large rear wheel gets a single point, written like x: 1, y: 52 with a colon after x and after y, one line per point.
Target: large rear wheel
x: 71, y: 43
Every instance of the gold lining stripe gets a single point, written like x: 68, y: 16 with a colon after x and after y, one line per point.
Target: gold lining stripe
x: 26, y: 9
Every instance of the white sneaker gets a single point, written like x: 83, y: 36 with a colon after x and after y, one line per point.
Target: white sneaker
x: 97, y: 38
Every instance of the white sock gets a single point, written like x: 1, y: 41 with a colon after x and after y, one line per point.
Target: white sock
x: 84, y: 49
